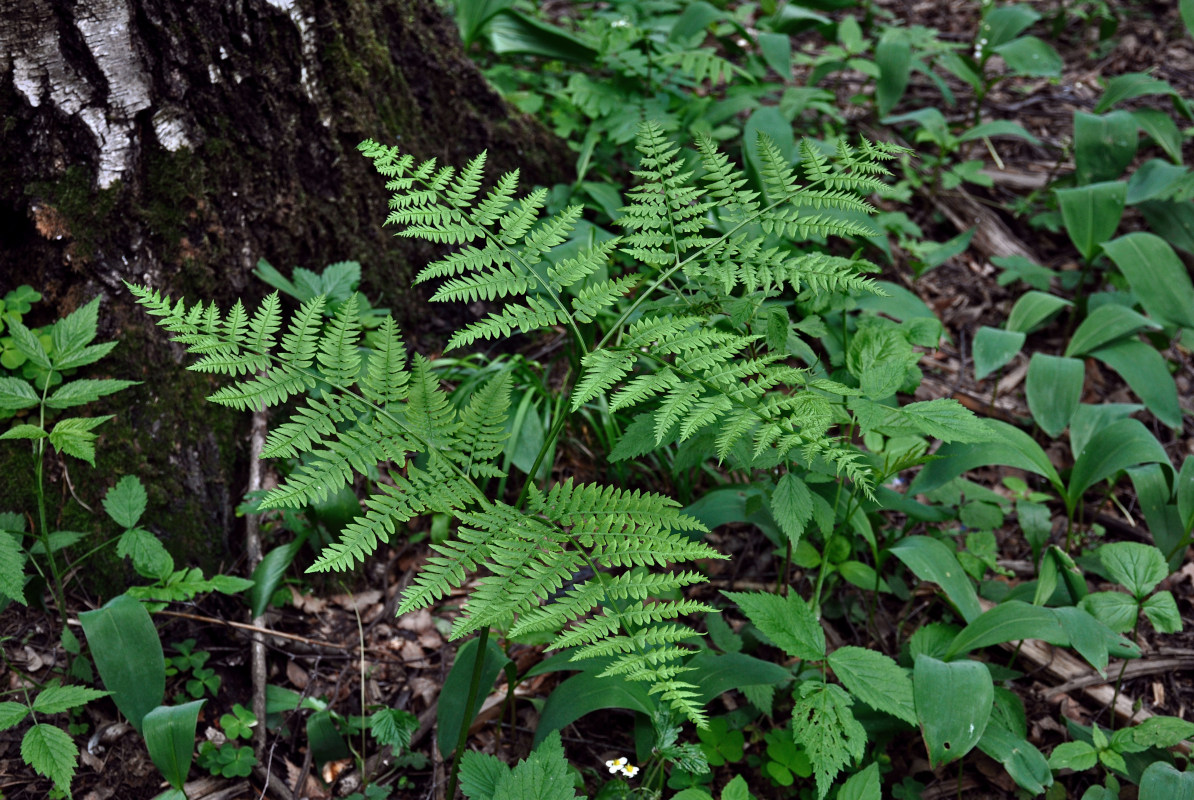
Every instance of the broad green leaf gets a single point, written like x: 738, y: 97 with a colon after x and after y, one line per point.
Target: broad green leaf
x: 1054, y: 390
x: 863, y: 576
x: 1156, y: 179
x: 1106, y: 324
x: 1010, y: 447
x: 1078, y: 756
x: 993, y: 348
x: 451, y: 712
x: 1162, y: 732
x: 1145, y: 371
x: 11, y: 714
x: 170, y: 738
x: 1011, y: 621
x: 1091, y: 213
x: 16, y: 394
x: 125, y: 502
x: 128, y: 655
x: 150, y: 557
x: 510, y: 31
x: 1104, y: 145
x: 876, y: 680
x: 1186, y: 7
x: 1172, y: 220
x: 269, y: 573
x: 1162, y: 781
x: 931, y: 560
x: 56, y: 699
x: 1161, y: 128
x: 50, y: 751
x: 1031, y: 56
x: 776, y: 49
x: 1116, y: 447
x: 787, y: 621
x: 585, y: 693
x: 325, y: 740
x: 1116, y: 610
x: 1157, y: 276
x: 953, y: 704
x: 1151, y: 482
x: 1090, y: 419
x: 715, y: 674
x: 824, y: 726
x: 1128, y: 86
x: 1020, y: 268
x: 1185, y: 493
x: 893, y: 56
x: 1033, y: 310
x: 471, y: 16
x: 998, y: 127
x: 77, y: 393
x: 1087, y: 635
x: 1135, y: 566
x: 864, y: 785
x: 12, y: 568
x: 1025, y: 764
x: 73, y: 436
x: 1003, y: 24
x: 1161, y: 610
x: 792, y: 506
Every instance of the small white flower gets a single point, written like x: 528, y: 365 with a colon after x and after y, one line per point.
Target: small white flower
x: 630, y: 771
x: 620, y: 23
x: 616, y: 765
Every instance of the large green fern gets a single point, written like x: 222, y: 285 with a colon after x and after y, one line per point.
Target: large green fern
x: 645, y: 341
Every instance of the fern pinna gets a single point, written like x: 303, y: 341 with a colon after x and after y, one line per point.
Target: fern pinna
x: 701, y: 246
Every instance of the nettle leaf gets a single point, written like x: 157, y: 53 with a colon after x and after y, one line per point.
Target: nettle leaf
x: 824, y: 725
x: 792, y: 506
x: 125, y: 502
x: 73, y: 436
x: 787, y: 621
x: 876, y: 680
x: 542, y: 775
x: 50, y: 751
x: 1138, y: 567
x: 11, y: 714
x: 77, y: 393
x: 56, y: 699
x: 12, y: 568
x: 24, y: 432
x: 16, y: 394
x: 150, y: 557
x: 393, y: 727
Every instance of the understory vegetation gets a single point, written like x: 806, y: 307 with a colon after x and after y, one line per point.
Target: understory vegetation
x: 826, y: 437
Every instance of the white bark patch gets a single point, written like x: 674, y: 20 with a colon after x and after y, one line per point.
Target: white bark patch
x: 170, y: 129
x: 105, y: 28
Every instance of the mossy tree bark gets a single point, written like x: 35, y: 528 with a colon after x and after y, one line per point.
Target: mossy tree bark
x: 175, y: 144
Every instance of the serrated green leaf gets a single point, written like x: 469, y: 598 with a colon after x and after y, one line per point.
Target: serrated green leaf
x: 12, y: 568
x: 876, y: 680
x: 28, y: 344
x: 24, y: 432
x: 824, y: 725
x: 1078, y: 756
x: 16, y: 394
x: 150, y: 557
x: 792, y: 506
x: 787, y: 621
x: 542, y: 775
x: 953, y: 705
x: 948, y: 420
x: 11, y: 714
x: 863, y: 785
x: 125, y: 502
x: 56, y: 699
x: 73, y: 436
x: 393, y: 727
x: 50, y: 751
x: 1138, y: 567
x: 77, y: 393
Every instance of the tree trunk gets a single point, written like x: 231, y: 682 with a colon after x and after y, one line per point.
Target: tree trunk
x: 175, y: 144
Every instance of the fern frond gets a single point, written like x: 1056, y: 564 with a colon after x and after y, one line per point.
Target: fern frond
x: 339, y: 356
x: 574, y: 270
x: 535, y: 314
x: 429, y: 413
x: 385, y: 371
x: 482, y: 433
x: 602, y: 369
x: 592, y: 299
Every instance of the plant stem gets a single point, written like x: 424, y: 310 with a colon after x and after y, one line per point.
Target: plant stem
x: 470, y: 703
x: 43, y: 532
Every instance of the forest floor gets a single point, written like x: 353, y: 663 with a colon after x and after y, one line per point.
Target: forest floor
x: 343, y: 643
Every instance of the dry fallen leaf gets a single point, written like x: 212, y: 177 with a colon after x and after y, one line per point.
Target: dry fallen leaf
x: 307, y: 603
x: 357, y: 602
x: 297, y: 676
x: 417, y: 621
